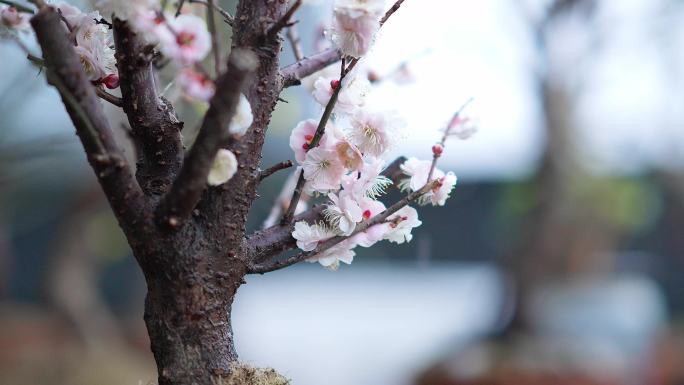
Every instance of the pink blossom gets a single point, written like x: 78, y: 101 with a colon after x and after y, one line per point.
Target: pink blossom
x: 462, y: 127
x: 195, y: 85
x: 376, y: 233
x: 185, y: 38
x: 322, y: 169
x: 418, y: 171
x: 301, y: 137
x: 355, y: 24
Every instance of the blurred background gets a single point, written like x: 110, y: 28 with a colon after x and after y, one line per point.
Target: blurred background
x: 558, y: 259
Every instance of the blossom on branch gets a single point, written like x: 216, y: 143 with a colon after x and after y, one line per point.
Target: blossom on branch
x: 351, y: 97
x: 374, y: 133
x: 308, y: 236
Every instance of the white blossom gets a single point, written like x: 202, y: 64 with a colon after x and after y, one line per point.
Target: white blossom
x: 443, y: 190
x: 343, y: 213
x: 224, y: 167
x: 308, y: 236
x: 374, y: 133
x: 400, y: 225
x: 243, y: 117
x: 418, y: 171
x: 368, y: 181
x: 331, y: 258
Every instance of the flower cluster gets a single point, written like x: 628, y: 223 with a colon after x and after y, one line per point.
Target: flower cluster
x: 93, y: 44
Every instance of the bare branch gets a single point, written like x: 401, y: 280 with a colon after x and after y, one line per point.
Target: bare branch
x: 106, y: 96
x: 294, y: 73
x: 442, y: 143
x: 284, y: 21
x: 227, y: 17
x: 180, y: 7
x: 363, y: 226
x: 275, y: 168
x: 295, y: 42
x: 187, y: 189
x: 64, y: 71
x: 154, y: 124
x: 215, y: 42
x: 390, y: 12
x: 270, y: 242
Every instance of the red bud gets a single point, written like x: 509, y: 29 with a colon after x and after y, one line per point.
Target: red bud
x: 111, y: 81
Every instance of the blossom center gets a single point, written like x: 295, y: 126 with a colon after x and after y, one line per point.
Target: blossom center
x: 185, y: 38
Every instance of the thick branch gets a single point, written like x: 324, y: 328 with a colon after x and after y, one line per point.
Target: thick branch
x: 326, y: 245
x: 64, y: 71
x: 294, y: 73
x: 213, y: 135
x: 154, y: 124
x: 270, y: 242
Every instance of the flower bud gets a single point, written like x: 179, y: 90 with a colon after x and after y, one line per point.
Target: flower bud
x: 111, y: 81
x: 437, y: 150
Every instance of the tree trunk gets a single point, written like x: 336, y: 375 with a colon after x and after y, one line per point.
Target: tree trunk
x: 187, y: 308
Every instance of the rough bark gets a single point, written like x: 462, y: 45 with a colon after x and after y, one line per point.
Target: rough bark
x: 154, y: 124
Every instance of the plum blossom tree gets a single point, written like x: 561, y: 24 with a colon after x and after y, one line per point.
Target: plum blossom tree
x: 184, y: 212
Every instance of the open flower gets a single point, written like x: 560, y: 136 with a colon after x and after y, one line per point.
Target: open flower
x: 374, y: 133
x: 195, y: 85
x: 418, y: 171
x: 184, y: 39
x: 243, y: 117
x: 343, y: 213
x: 322, y: 169
x: 443, y: 190
x: 91, y: 66
x: 400, y: 225
x: 355, y: 25
x: 308, y: 236
x: 224, y: 167
x: 303, y: 134
x: 368, y: 182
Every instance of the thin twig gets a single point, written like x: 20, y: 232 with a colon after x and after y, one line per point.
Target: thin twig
x: 363, y: 226
x: 227, y: 17
x: 320, y: 130
x: 106, y: 96
x: 180, y: 7
x: 390, y: 12
x: 295, y: 42
x: 447, y: 131
x: 275, y: 168
x: 285, y: 20
x: 215, y: 43
x: 18, y: 7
